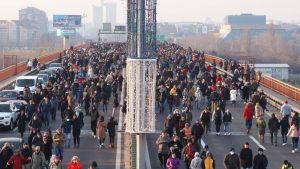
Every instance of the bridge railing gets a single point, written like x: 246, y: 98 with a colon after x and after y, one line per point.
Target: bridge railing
x: 22, y: 66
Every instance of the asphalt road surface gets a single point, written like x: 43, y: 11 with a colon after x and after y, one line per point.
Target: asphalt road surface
x: 220, y: 145
x: 89, y: 150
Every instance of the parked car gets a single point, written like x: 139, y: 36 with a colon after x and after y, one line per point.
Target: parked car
x: 6, y: 95
x: 45, y: 77
x: 15, y: 143
x: 55, y: 66
x: 9, y: 112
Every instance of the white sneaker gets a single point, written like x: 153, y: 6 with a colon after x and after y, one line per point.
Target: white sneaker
x: 293, y: 151
x: 296, y: 149
x: 283, y: 144
x: 229, y: 133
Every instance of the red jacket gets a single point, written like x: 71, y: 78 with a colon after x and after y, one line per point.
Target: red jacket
x: 77, y: 165
x: 16, y: 161
x: 248, y: 112
x: 189, y: 152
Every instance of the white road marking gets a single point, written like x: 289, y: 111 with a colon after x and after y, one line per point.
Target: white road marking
x: 257, y: 142
x: 202, y: 143
x: 119, y: 135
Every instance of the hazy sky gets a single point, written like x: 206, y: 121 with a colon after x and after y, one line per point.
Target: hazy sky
x: 168, y: 10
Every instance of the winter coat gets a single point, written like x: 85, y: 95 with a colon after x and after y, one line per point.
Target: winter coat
x: 260, y: 162
x: 56, y: 166
x: 208, y: 163
x: 77, y: 165
x: 285, y: 125
x: 21, y: 121
x: 17, y: 161
x: 217, y: 116
x: 261, y: 125
x: 101, y: 130
x: 188, y: 116
x: 233, y: 94
x: 196, y: 163
x: 197, y: 131
x: 94, y: 115
x: 205, y: 117
x: 163, y: 144
x: 227, y: 117
x: 58, y: 139
x: 293, y: 132
x: 188, y: 153
x: 38, y: 160
x: 258, y: 110
x: 66, y: 126
x: 273, y: 124
x: 111, y: 127
x: 246, y: 157
x: 248, y: 112
x: 232, y: 161
x: 173, y: 163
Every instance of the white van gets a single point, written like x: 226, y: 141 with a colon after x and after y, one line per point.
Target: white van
x: 22, y: 81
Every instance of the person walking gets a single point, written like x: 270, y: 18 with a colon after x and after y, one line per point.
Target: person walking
x: 38, y: 160
x: 246, y: 157
x: 196, y: 162
x: 94, y: 118
x: 75, y: 163
x: 45, y: 107
x: 233, y: 94
x: 231, y: 160
x: 197, y: 131
x: 56, y: 163
x: 101, y: 131
x: 163, y: 148
x: 227, y: 119
x: 217, y: 118
x: 294, y: 134
x: 285, y: 127
x: 94, y: 165
x: 261, y: 125
x: 208, y: 161
x: 274, y: 126
x: 188, y: 154
x: 286, y: 109
x: 173, y: 161
x: 17, y: 160
x: 21, y: 121
x: 47, y: 148
x: 76, y: 129
x: 67, y: 128
x: 248, y: 116
x: 205, y: 119
x: 287, y: 165
x: 58, y: 140
x: 111, y: 127
x: 26, y: 152
x: 260, y: 161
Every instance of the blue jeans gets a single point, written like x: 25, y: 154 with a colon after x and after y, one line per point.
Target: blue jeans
x: 47, y: 118
x: 226, y: 126
x: 295, y: 141
x: 161, y: 107
x: 59, y: 151
x: 68, y: 140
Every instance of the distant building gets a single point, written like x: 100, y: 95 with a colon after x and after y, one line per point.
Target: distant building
x: 237, y: 26
x: 97, y: 16
x: 277, y: 71
x: 106, y: 12
x: 8, y: 33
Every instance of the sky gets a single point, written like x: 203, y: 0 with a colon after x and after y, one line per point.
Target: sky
x: 167, y: 10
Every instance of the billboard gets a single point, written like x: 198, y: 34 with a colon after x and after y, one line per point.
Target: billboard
x: 65, y: 32
x: 66, y: 21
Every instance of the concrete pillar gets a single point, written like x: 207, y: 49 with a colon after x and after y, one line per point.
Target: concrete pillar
x: 66, y: 42
x: 140, y: 151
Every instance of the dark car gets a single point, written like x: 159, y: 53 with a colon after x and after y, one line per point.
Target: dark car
x: 15, y: 143
x: 6, y: 95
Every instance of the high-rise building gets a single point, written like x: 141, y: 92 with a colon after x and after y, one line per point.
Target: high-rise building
x: 97, y: 16
x: 111, y: 13
x: 105, y: 13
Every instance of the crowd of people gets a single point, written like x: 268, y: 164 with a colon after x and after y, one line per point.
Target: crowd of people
x: 89, y: 79
x: 186, y: 83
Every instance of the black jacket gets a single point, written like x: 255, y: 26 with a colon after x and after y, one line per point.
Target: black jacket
x: 197, y: 131
x: 246, y: 157
x: 232, y: 161
x: 260, y: 162
x: 273, y: 124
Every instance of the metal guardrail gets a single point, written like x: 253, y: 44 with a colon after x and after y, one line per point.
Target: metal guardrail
x: 276, y: 102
